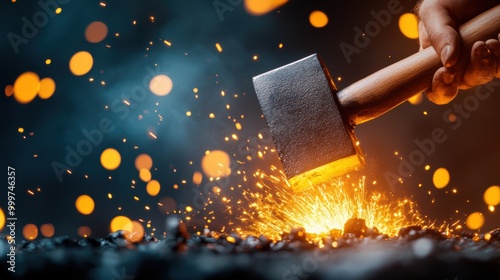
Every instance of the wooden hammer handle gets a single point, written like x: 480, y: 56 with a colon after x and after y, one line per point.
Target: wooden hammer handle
x: 385, y: 89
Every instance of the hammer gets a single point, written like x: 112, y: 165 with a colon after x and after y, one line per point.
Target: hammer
x: 312, y: 123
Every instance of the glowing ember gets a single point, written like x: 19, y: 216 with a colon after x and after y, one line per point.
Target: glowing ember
x: 30, y: 231
x: 26, y: 87
x: 84, y: 204
x: 492, y: 196
x: 323, y: 208
x: 408, y: 24
x: 47, y: 230
x: 81, y: 63
x: 96, y: 32
x: 2, y: 219
x: 475, y: 221
x: 318, y: 19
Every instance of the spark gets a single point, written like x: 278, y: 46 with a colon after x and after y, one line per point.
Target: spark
x: 167, y: 43
x: 102, y: 4
x: 275, y: 208
x: 218, y: 47
x: 152, y: 135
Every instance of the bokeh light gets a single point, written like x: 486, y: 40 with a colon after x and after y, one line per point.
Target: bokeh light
x: 416, y: 99
x: 259, y: 7
x: 318, y: 19
x: 161, y: 85
x: 26, y: 87
x: 143, y: 161
x: 47, y: 88
x: 475, y: 221
x: 84, y: 231
x: 136, y: 233
x: 47, y: 230
x: 110, y: 159
x: 492, y: 196
x: 145, y: 175
x: 441, y: 178
x: 2, y: 219
x: 167, y: 205
x: 96, y: 32
x: 120, y: 223
x: 81, y: 63
x: 84, y: 204
x: 197, y: 177
x: 9, y: 90
x: 408, y: 24
x: 30, y: 232
x: 216, y: 163
x: 153, y: 188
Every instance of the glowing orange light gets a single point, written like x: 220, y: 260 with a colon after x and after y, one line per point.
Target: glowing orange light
x: 48, y: 61
x: 110, y: 159
x: 416, y: 99
x: 153, y: 188
x: 121, y: 223
x: 47, y: 88
x: 145, y: 175
x: 96, y: 32
x: 81, y: 63
x: 408, y: 24
x: 30, y: 232
x: 58, y: 10
x: 84, y: 204
x: 318, y: 19
x: 47, y: 230
x: 216, y: 164
x: 492, y: 196
x: 26, y: 87
x: 259, y: 7
x: 143, y: 161
x: 161, y: 85
x: 84, y: 231
x: 441, y: 178
x: 197, y: 178
x: 136, y: 233
x: 2, y: 219
x: 218, y: 47
x: 475, y: 221
x: 9, y: 90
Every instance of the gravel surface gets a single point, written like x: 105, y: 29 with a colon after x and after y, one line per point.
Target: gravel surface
x: 353, y: 253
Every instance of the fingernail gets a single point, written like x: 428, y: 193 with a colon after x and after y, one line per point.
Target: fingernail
x: 445, y: 54
x: 483, y: 51
x: 448, y: 78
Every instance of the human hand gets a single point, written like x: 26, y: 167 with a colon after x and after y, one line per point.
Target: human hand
x: 439, y: 21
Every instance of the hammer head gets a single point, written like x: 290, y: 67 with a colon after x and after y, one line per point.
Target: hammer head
x: 314, y: 140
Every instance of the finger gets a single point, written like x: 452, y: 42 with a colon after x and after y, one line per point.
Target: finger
x: 494, y: 47
x: 481, y: 68
x: 444, y: 87
x: 441, y: 31
x: 423, y: 39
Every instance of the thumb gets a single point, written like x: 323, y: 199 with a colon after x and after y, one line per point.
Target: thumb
x: 441, y: 32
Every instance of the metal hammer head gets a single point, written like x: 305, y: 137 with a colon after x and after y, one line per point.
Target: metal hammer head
x: 314, y: 141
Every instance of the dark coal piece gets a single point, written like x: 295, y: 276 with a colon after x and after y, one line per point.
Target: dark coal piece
x: 354, y: 227
x: 494, y: 234
x: 410, y: 230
